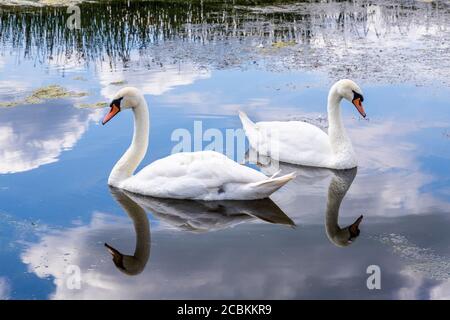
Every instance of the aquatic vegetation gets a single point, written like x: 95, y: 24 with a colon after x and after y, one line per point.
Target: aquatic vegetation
x: 283, y: 44
x: 420, y: 260
x: 45, y: 93
x: 362, y: 40
x: 95, y: 105
x: 9, y: 104
x: 52, y: 92
x: 118, y: 83
x: 59, y: 2
x: 39, y: 3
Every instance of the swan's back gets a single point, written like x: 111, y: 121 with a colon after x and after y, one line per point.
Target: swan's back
x: 207, y: 165
x: 190, y: 175
x: 298, y: 142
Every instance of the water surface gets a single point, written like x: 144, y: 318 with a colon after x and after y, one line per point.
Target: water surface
x: 203, y: 61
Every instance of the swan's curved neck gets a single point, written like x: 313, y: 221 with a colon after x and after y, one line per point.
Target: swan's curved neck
x: 131, y: 159
x: 339, y: 140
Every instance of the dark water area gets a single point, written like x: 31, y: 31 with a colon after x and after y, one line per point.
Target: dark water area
x: 197, y: 64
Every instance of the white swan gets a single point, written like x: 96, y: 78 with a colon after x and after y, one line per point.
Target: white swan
x: 203, y: 175
x: 302, y: 143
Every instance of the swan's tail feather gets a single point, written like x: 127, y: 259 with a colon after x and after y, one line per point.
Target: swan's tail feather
x: 275, y: 174
x: 269, y: 186
x: 246, y: 122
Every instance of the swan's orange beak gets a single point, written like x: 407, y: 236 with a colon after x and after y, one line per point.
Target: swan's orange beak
x: 358, y: 104
x: 114, y: 110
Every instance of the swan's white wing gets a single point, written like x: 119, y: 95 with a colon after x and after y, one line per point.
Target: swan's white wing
x: 294, y: 142
x: 191, y: 175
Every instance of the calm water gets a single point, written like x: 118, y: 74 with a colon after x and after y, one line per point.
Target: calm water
x: 202, y: 62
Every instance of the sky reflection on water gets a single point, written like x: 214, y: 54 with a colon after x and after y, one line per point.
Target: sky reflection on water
x: 57, y: 210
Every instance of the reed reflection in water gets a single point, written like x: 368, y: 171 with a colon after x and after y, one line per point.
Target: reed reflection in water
x: 359, y: 39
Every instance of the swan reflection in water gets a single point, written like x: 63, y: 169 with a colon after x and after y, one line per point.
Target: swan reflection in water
x: 339, y: 185
x: 312, y: 178
x: 135, y: 264
x: 205, y: 216
x: 186, y: 215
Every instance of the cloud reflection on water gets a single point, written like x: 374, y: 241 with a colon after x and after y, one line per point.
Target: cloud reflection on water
x: 5, y: 288
x: 40, y: 137
x: 56, y: 250
x: 200, y: 266
x: 186, y: 265
x: 151, y: 82
x: 250, y: 260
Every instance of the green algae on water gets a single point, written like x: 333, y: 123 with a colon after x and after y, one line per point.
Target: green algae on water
x: 45, y: 93
x: 96, y: 105
x: 283, y: 44
x: 118, y: 83
x: 52, y: 92
x: 9, y: 104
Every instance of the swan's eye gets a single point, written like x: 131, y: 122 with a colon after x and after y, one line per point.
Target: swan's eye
x: 356, y: 95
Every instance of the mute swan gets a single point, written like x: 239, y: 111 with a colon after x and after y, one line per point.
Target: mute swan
x: 135, y: 264
x: 302, y: 143
x: 203, y: 175
x: 205, y: 216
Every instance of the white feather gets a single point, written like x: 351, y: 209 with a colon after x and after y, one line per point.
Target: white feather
x: 302, y: 143
x: 203, y: 175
